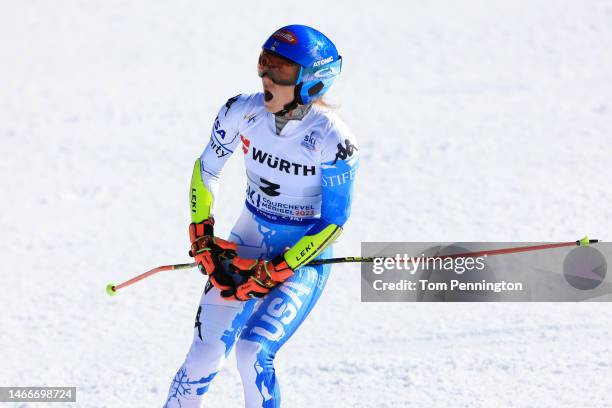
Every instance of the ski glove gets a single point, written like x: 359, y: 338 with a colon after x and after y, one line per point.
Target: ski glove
x: 209, y: 252
x: 259, y: 277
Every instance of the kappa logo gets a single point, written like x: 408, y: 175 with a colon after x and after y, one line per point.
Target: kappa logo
x: 245, y: 144
x: 198, y: 323
x: 230, y: 102
x: 345, y: 152
x: 270, y: 188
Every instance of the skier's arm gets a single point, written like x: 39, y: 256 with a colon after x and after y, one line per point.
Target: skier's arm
x: 205, y: 248
x: 338, y: 176
x: 207, y: 169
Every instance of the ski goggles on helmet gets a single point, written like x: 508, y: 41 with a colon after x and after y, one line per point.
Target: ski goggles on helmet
x: 280, y: 70
x: 322, y: 72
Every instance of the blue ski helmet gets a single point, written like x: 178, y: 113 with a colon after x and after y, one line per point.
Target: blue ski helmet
x: 317, y: 56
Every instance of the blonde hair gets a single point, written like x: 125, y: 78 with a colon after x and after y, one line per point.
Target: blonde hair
x: 324, y: 104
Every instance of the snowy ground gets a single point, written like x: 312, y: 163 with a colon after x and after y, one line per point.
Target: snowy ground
x: 477, y: 120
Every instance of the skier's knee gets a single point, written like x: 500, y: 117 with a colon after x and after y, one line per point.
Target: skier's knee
x: 249, y: 352
x: 207, y: 356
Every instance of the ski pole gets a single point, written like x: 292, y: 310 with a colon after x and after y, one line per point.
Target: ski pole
x: 111, y: 289
x: 581, y: 242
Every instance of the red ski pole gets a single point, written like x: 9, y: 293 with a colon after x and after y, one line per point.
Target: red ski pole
x: 111, y: 289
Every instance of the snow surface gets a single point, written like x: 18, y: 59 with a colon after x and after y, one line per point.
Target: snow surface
x: 477, y: 120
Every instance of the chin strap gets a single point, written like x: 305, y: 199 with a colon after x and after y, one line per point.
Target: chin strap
x: 294, y: 103
x: 287, y: 108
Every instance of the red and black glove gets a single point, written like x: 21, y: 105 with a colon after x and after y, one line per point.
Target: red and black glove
x: 259, y: 277
x: 209, y: 252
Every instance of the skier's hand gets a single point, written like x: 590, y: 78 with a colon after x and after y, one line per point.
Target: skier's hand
x: 209, y: 251
x: 260, y: 277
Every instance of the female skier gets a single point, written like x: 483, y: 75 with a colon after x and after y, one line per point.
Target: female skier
x: 300, y: 162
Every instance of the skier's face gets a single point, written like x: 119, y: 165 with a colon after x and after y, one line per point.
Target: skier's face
x: 276, y: 96
x: 278, y: 76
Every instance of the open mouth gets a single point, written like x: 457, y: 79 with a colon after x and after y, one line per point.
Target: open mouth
x: 268, y: 96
